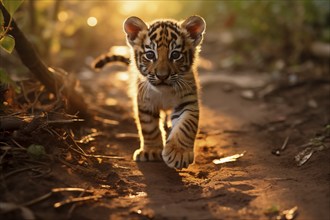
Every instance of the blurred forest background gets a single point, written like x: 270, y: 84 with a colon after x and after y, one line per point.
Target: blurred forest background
x: 266, y: 36
x: 273, y: 57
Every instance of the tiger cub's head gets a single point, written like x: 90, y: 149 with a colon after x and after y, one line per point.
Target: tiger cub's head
x: 164, y: 51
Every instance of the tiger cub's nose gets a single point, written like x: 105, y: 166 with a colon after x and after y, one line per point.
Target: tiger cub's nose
x: 162, y: 76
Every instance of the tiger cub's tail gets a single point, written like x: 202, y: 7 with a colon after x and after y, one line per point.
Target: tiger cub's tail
x: 101, y: 61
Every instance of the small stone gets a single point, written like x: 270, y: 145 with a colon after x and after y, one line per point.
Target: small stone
x: 248, y: 94
x: 312, y: 103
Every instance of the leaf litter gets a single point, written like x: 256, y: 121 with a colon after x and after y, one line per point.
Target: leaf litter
x: 274, y: 212
x: 288, y: 214
x: 314, y: 145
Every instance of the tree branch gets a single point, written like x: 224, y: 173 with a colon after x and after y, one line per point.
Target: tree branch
x: 42, y: 72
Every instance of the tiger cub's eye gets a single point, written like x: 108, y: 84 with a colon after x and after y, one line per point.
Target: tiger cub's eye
x: 150, y: 55
x: 175, y: 55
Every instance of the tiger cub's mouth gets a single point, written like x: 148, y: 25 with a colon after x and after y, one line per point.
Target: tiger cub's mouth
x: 163, y: 84
x: 160, y: 83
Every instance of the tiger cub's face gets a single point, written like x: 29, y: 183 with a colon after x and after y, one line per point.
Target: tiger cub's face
x: 164, y: 52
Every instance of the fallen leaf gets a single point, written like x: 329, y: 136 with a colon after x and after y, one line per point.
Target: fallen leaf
x: 302, y: 157
x: 231, y: 158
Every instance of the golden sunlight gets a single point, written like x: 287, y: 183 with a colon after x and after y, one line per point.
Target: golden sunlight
x: 122, y: 76
x: 111, y: 102
x: 147, y: 9
x: 62, y: 16
x: 128, y: 7
x: 92, y: 21
x: 120, y: 50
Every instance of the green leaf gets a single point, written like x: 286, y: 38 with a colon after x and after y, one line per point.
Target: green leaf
x: 5, y: 79
x: 2, y: 22
x: 8, y: 43
x: 36, y: 151
x: 12, y: 5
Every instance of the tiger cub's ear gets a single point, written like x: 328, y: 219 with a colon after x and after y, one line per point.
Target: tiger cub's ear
x: 195, y: 25
x: 132, y: 26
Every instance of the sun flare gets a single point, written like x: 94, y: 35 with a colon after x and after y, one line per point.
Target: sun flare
x: 91, y: 21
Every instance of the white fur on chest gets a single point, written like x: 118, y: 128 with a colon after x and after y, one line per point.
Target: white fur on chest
x: 163, y: 97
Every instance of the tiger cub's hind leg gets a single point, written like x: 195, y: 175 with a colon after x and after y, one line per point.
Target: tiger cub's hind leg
x: 151, y: 143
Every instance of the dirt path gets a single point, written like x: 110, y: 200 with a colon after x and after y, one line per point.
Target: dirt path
x: 244, y: 189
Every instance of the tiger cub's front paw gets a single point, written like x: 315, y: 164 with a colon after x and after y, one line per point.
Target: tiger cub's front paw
x: 142, y: 155
x: 177, y: 157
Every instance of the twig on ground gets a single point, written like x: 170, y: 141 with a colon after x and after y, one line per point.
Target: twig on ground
x: 19, y: 170
x: 36, y: 200
x: 105, y: 156
x: 74, y: 205
x: 106, y: 121
x: 60, y: 137
x: 36, y: 123
x: 3, y: 156
x: 88, y: 138
x: 67, y: 201
x: 72, y: 189
x: 24, y: 93
x: 95, y: 155
x: 285, y: 143
x: 74, y: 200
x: 20, y: 146
x: 83, y: 153
x: 38, y: 94
x: 67, y: 163
x: 46, y: 164
x: 8, y: 123
x: 64, y: 121
x: 41, y: 171
x: 278, y: 151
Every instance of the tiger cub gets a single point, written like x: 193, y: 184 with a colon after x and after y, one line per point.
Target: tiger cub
x: 165, y: 80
